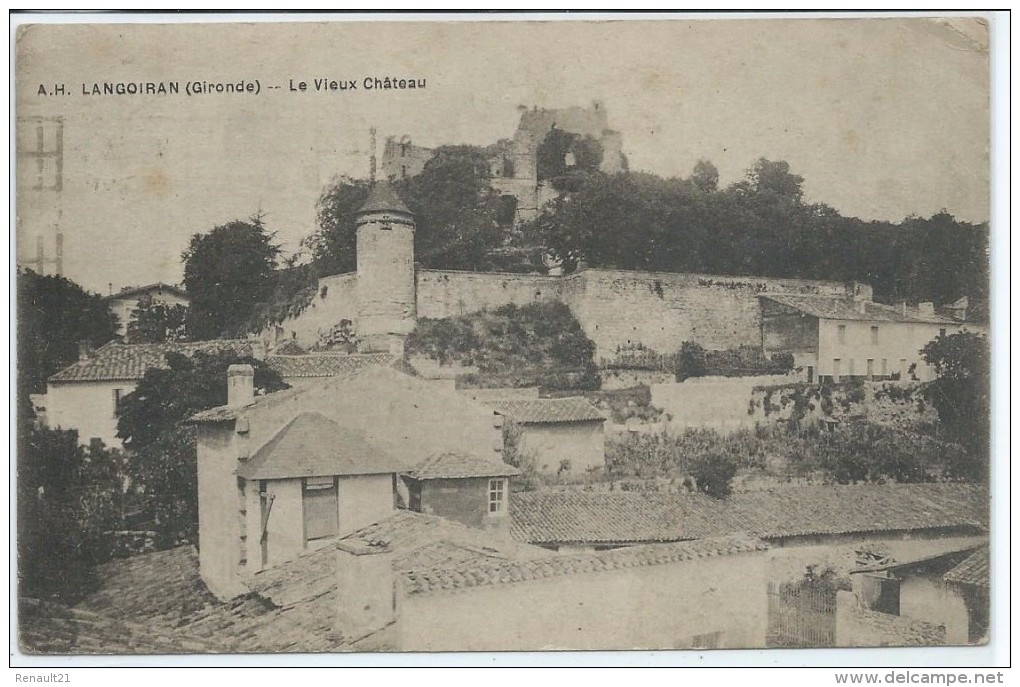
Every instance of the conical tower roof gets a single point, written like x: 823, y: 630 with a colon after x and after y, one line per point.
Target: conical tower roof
x: 382, y: 198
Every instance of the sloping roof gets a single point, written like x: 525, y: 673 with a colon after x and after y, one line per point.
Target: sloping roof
x: 547, y: 410
x: 592, y: 517
x: 482, y: 572
x: 312, y: 445
x: 116, y: 361
x: 416, y: 540
x: 324, y: 364
x: 457, y: 465
x: 50, y: 628
x: 141, y: 290
x: 830, y: 308
x: 163, y: 596
x: 575, y: 516
x: 973, y: 570
x: 382, y: 198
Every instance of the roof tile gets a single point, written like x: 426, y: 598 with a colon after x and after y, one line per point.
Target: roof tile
x: 454, y: 465
x: 833, y: 308
x: 547, y: 410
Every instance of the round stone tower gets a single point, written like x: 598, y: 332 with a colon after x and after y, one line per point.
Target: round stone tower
x: 386, y: 292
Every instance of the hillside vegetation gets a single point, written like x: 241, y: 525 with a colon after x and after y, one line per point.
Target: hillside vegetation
x: 539, y: 344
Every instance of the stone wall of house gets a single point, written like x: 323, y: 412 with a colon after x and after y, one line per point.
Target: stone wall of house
x: 859, y: 627
x: 88, y: 407
x: 581, y: 444
x: 667, y: 606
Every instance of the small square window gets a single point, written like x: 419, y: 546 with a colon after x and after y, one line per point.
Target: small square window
x: 497, y: 489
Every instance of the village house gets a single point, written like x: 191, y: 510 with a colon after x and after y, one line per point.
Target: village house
x: 277, y: 473
x: 564, y: 435
x: 125, y: 302
x: 85, y: 395
x: 840, y: 338
x: 923, y: 591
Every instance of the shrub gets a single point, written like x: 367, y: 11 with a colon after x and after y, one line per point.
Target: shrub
x: 713, y: 474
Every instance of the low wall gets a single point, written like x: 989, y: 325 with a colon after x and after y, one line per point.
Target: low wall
x: 719, y: 403
x: 667, y: 606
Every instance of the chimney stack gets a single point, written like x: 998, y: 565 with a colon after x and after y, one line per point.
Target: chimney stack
x: 903, y: 308
x: 926, y: 309
x: 240, y: 385
x: 366, y: 594
x: 84, y: 350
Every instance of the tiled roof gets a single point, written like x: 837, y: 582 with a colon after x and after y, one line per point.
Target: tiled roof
x: 973, y: 570
x: 417, y: 540
x: 593, y: 517
x: 324, y: 364
x: 848, y: 309
x: 49, y: 628
x: 122, y: 362
x: 547, y: 410
x: 458, y: 465
x: 382, y: 198
x: 157, y: 603
x: 140, y: 290
x: 476, y: 573
x: 312, y: 445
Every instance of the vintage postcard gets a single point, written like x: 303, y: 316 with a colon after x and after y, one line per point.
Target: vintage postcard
x: 522, y: 335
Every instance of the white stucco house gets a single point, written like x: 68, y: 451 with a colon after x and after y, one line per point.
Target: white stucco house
x: 124, y: 302
x: 839, y: 338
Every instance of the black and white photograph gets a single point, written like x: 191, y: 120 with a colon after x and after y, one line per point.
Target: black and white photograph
x: 470, y: 334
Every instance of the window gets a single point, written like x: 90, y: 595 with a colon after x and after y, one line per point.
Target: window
x: 497, y: 500
x: 319, y: 501
x: 835, y: 369
x: 885, y: 367
x: 118, y: 398
x: 871, y: 369
x: 841, y: 333
x: 942, y: 331
x: 874, y: 335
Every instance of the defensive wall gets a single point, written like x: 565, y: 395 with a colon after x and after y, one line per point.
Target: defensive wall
x: 616, y: 308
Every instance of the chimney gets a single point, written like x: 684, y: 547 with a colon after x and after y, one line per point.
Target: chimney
x: 366, y: 595
x: 903, y: 308
x: 84, y: 350
x: 240, y: 385
x: 926, y: 309
x: 862, y: 307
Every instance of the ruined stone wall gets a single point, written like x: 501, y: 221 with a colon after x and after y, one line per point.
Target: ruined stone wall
x: 443, y: 293
x: 336, y: 299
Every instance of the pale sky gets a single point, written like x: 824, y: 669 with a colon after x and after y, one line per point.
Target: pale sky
x: 883, y: 117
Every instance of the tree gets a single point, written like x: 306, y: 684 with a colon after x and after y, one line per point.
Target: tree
x: 153, y: 322
x: 458, y: 217
x: 334, y: 243
x: 55, y: 316
x: 152, y: 421
x: 961, y: 393
x: 713, y: 473
x: 227, y: 273
x: 767, y: 176
x: 69, y: 504
x: 705, y: 176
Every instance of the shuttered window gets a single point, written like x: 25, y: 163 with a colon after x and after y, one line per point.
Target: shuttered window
x: 319, y: 497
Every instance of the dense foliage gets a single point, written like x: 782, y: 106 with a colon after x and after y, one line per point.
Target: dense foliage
x: 459, y: 218
x: 565, y: 159
x: 69, y: 504
x: 153, y: 322
x: 291, y: 290
x: 55, y: 315
x: 228, y: 272
x: 853, y: 452
x: 961, y: 393
x: 759, y: 226
x: 152, y: 420
x: 530, y: 343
